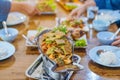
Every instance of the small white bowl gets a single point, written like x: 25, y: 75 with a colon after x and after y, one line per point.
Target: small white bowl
x: 13, y: 34
x: 101, y: 25
x: 104, y: 37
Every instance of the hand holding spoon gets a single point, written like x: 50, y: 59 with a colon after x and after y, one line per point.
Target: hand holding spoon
x: 115, y: 34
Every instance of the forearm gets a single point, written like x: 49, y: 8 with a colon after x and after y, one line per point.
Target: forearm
x: 17, y: 6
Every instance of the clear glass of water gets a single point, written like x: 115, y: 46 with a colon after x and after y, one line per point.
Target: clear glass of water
x: 92, y: 11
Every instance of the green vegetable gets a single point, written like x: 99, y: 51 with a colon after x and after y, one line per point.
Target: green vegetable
x: 61, y: 28
x: 50, y: 50
x: 52, y: 4
x: 71, y: 6
x: 80, y: 43
x: 47, y: 4
x: 48, y: 41
x: 62, y: 47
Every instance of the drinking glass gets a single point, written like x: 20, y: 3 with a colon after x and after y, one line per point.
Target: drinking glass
x: 91, y: 13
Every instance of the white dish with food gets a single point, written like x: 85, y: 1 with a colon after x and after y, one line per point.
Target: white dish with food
x: 46, y: 7
x: 109, y: 58
x: 31, y: 35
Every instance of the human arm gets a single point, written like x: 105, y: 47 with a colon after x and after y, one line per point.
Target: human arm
x: 116, y: 42
x: 24, y: 7
x: 82, y: 9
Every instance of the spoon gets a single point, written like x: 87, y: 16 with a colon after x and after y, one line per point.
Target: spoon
x: 5, y: 27
x: 115, y: 34
x: 30, y: 41
x: 100, y: 51
x: 103, y: 51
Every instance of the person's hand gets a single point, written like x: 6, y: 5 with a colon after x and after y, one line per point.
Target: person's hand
x: 24, y: 7
x: 116, y: 42
x: 29, y: 9
x: 76, y: 13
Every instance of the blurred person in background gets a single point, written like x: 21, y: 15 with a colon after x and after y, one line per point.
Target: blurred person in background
x: 102, y: 4
x: 7, y: 6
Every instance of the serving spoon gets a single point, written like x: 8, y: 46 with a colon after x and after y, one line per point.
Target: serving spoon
x: 5, y: 27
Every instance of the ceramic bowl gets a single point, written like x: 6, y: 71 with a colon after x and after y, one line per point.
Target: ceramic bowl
x: 104, y: 37
x: 101, y: 25
x: 13, y: 34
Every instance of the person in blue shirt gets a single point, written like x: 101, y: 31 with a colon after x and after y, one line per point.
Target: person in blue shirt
x: 7, y: 6
x: 102, y: 4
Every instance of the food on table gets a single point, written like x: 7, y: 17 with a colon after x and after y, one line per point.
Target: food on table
x: 77, y: 33
x: 57, y: 47
x: 64, y: 0
x: 75, y: 23
x: 2, y: 51
x: 108, y: 58
x: 46, y: 5
x: 61, y: 28
x: 70, y: 6
x: 80, y: 43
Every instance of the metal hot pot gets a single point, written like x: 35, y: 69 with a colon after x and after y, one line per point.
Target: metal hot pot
x: 48, y: 64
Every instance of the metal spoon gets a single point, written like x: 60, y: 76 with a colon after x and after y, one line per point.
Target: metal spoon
x: 5, y: 27
x: 115, y: 34
x: 100, y: 51
x: 30, y: 41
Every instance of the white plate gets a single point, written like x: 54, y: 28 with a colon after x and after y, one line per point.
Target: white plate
x: 15, y: 18
x: 10, y: 50
x: 31, y: 34
x: 109, y: 15
x: 93, y: 54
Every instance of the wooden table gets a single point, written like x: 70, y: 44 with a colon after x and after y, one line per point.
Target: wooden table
x: 14, y: 67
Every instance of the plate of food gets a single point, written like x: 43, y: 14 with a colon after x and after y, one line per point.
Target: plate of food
x: 69, y: 6
x: 15, y: 18
x: 30, y: 41
x: 105, y: 55
x: 6, y: 50
x: 46, y: 6
x: 77, y: 36
x: 72, y: 24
